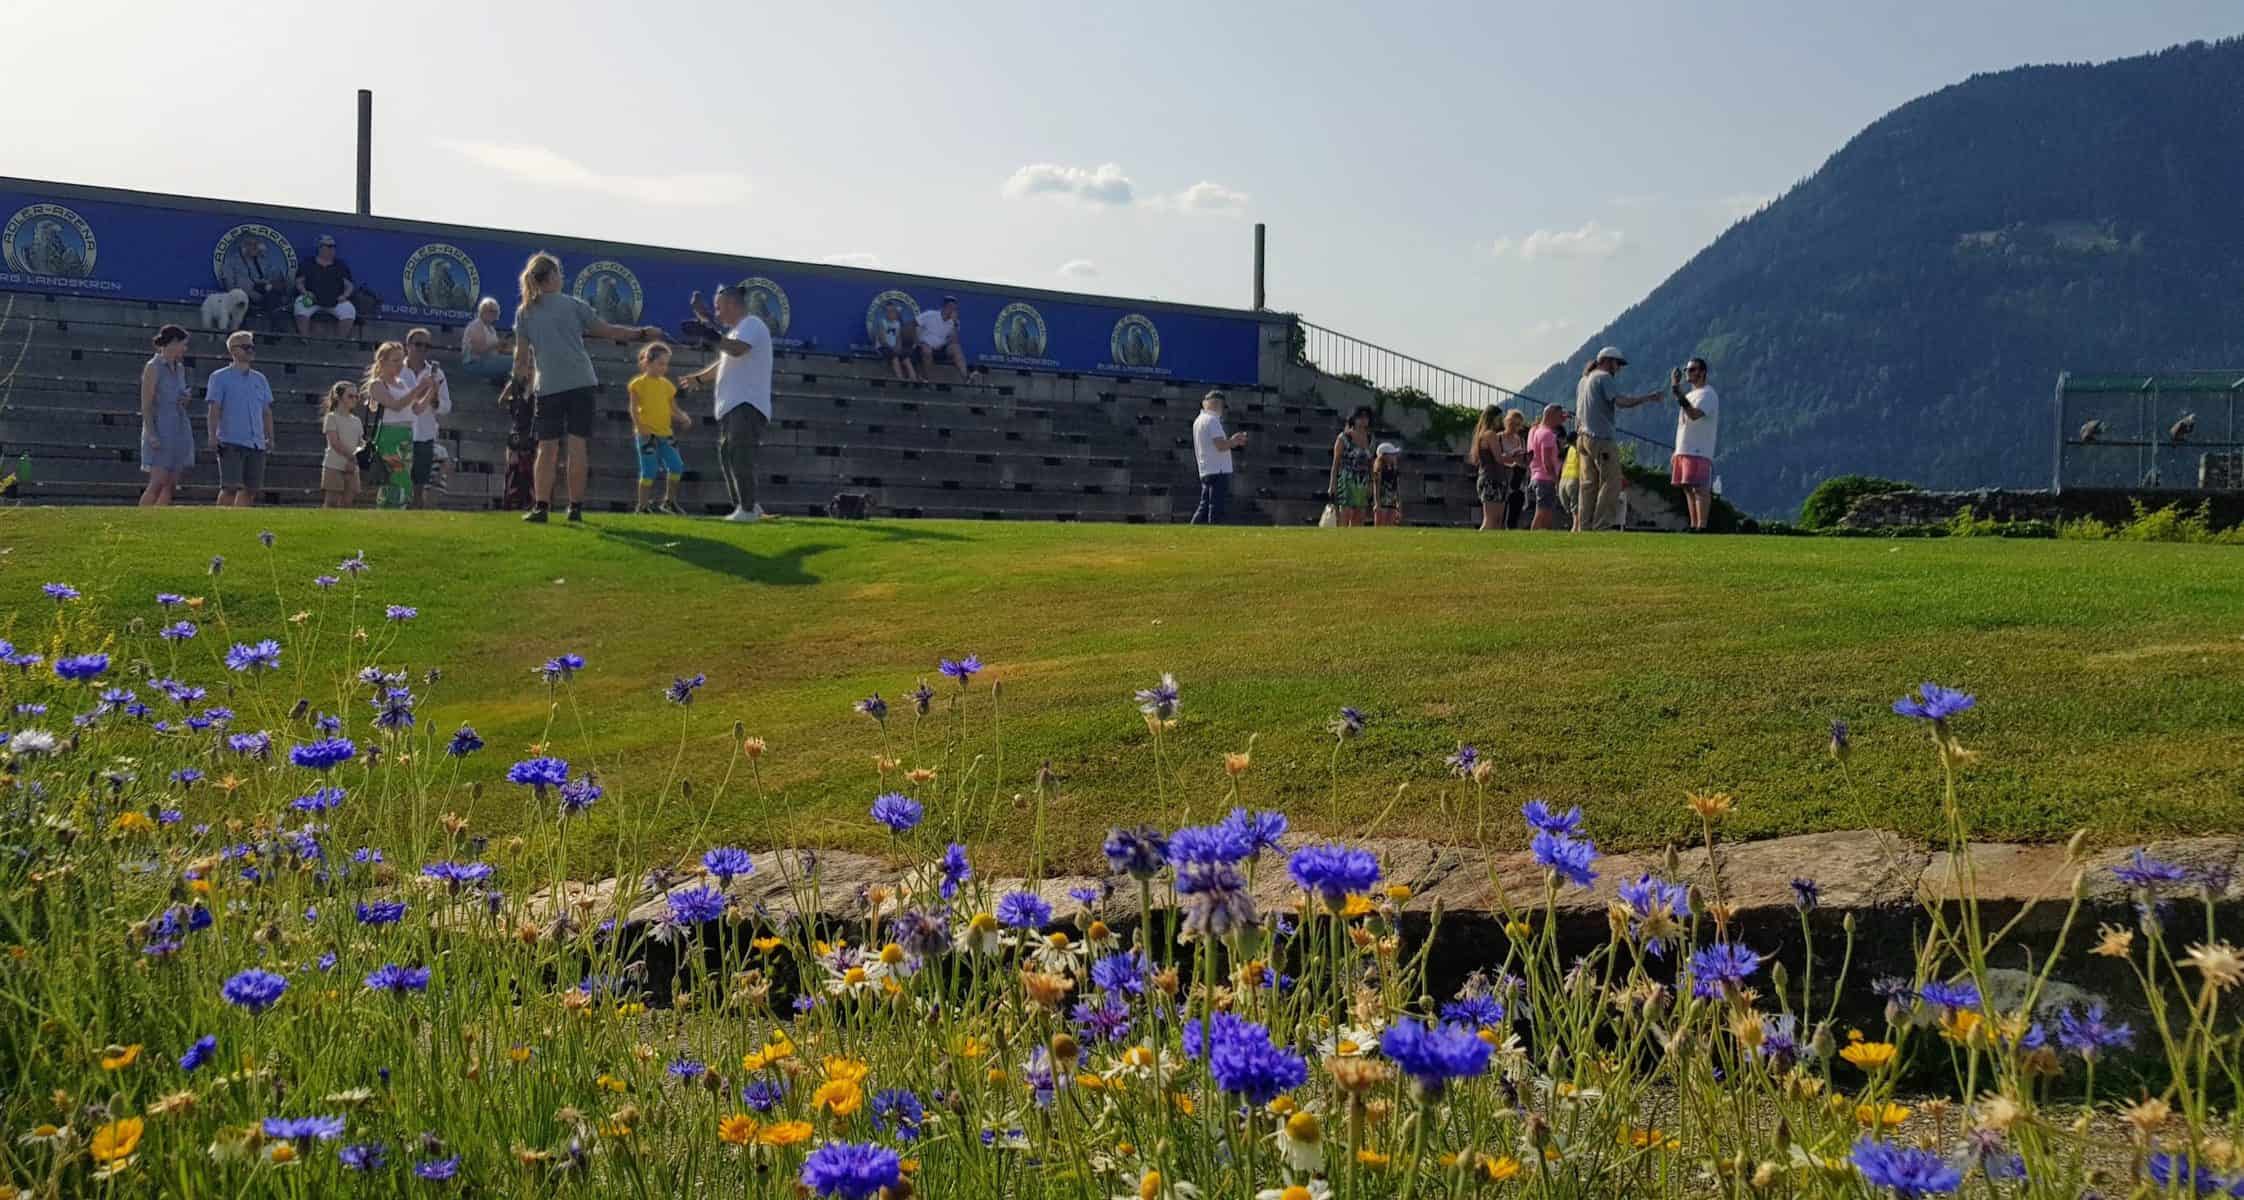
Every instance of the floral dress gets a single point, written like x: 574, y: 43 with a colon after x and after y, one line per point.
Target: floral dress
x: 1352, y: 489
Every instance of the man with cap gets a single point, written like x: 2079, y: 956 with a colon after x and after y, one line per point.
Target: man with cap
x: 1597, y: 437
x: 1211, y: 453
x: 938, y: 336
x: 324, y: 286
x: 1386, y: 485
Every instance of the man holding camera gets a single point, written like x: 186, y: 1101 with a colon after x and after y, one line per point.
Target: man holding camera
x: 1697, y: 415
x: 742, y: 375
x: 1597, y: 438
x: 1211, y: 451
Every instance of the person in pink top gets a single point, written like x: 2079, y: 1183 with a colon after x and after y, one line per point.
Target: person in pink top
x: 1543, y: 464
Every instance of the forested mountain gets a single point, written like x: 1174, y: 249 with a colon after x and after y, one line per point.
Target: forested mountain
x: 1905, y: 310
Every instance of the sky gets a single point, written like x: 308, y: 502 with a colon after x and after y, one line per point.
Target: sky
x: 1482, y: 185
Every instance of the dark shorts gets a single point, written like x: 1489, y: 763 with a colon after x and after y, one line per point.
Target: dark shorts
x: 1545, y: 492
x: 424, y: 462
x: 1490, y: 486
x: 568, y: 412
x: 241, y: 467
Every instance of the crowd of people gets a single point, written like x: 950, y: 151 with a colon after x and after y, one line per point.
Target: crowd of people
x: 384, y: 430
x: 1525, y: 475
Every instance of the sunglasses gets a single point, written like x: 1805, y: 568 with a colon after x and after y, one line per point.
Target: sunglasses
x: 416, y: 345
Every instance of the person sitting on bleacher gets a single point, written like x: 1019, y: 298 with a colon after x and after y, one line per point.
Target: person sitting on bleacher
x: 323, y: 288
x: 888, y: 340
x: 938, y: 337
x: 485, y: 352
x: 255, y: 272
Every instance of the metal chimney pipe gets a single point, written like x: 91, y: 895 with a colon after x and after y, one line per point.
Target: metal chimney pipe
x: 365, y: 152
x: 1258, y: 292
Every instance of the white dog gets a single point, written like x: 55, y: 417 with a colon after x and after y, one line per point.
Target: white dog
x: 223, y: 311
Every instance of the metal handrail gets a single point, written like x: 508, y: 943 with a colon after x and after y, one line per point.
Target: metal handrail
x: 1337, y: 353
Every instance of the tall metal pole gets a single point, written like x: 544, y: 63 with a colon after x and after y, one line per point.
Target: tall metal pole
x: 1259, y: 295
x: 365, y: 152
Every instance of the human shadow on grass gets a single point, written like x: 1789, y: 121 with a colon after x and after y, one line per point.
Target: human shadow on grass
x: 781, y: 569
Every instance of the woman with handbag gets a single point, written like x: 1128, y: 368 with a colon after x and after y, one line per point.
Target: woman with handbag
x: 389, y: 396
x: 344, y: 432
x: 1349, y: 485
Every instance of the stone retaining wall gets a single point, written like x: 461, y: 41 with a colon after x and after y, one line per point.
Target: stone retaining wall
x: 1892, y: 509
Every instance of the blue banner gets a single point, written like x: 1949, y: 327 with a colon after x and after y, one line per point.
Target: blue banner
x: 62, y: 239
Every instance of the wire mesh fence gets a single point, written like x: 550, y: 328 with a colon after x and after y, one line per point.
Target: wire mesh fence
x: 2166, y: 431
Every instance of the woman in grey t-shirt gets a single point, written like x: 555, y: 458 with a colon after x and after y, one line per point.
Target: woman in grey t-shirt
x: 549, y: 357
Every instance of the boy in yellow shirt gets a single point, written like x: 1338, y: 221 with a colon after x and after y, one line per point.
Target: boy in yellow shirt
x: 653, y: 411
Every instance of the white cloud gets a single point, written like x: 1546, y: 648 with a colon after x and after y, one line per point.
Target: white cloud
x: 1206, y: 197
x: 1542, y: 330
x: 1079, y: 268
x: 1740, y: 205
x: 545, y: 167
x: 857, y: 258
x: 1104, y: 184
x: 1590, y: 241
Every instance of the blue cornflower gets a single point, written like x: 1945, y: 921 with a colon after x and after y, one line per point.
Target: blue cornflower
x: 2144, y: 873
x: 1907, y: 1172
x: 1933, y: 703
x: 317, y: 800
x: 1461, y: 763
x: 561, y: 667
x: 177, y: 631
x: 394, y: 710
x: 114, y: 699
x: 1348, y: 724
x: 1543, y: 817
x: 219, y: 716
x: 922, y: 934
x: 170, y: 599
x: 696, y: 906
x: 1566, y: 857
x: 1961, y: 994
x: 2086, y: 1033
x: 1841, y: 742
x: 851, y: 1171
x: 1333, y: 872
x: 725, y: 862
x: 686, y: 1068
x: 437, y: 1170
x: 1223, y: 844
x: 539, y: 773
x: 962, y: 669
x: 398, y: 980
x: 324, y: 754
x: 1160, y: 700
x: 1721, y: 967
x: 1216, y: 900
x: 2170, y: 1171
x: 465, y: 741
x: 1243, y: 1060
x: 897, y: 811
x: 1023, y: 910
x: 1479, y: 1010
x: 1088, y: 897
x: 1261, y: 830
x: 199, y: 1053
x: 899, y: 1113
x: 578, y: 795
x: 1123, y: 973
x: 354, y: 565
x: 59, y: 592
x: 78, y: 668
x: 763, y: 1095
x: 297, y: 1129
x: 381, y: 912
x: 1139, y: 853
x: 255, y: 745
x: 263, y: 656
x: 364, y: 1156
x: 956, y: 870
x: 1432, y: 1055
x: 681, y: 689
x: 1806, y: 894
x: 1650, y: 897
x: 254, y: 989
x: 457, y: 874
x: 324, y: 582
x: 401, y: 612
x: 873, y: 706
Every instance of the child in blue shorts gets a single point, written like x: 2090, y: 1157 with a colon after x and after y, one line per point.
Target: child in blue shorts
x: 654, y: 411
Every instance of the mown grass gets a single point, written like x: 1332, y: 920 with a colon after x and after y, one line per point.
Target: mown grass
x: 1619, y: 672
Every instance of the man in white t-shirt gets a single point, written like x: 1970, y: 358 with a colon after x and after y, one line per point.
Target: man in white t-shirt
x: 1698, y: 414
x: 938, y: 338
x: 742, y: 378
x: 422, y: 416
x: 1211, y: 452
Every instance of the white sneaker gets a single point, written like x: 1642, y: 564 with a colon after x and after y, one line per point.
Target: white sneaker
x: 744, y: 516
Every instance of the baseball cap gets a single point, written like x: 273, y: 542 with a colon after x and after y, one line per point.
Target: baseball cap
x: 950, y: 299
x: 1389, y: 448
x: 1614, y: 353
x: 326, y: 239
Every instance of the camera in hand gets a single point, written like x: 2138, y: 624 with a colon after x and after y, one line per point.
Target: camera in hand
x: 699, y: 333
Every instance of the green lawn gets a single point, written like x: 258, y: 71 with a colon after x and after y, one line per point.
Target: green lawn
x: 1617, y: 672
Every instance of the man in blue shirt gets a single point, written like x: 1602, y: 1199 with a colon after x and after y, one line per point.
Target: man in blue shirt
x: 241, y: 422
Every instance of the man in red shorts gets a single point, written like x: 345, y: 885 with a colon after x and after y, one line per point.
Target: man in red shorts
x: 1698, y: 415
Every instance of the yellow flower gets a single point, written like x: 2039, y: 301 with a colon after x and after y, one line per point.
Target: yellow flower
x: 1518, y: 931
x: 610, y: 1083
x: 1870, y: 1056
x: 785, y: 1133
x: 518, y: 1053
x: 1499, y: 1168
x: 1649, y: 1139
x: 1399, y: 893
x: 132, y: 821
x: 765, y: 945
x: 777, y: 1049
x: 1371, y: 1158
x: 282, y: 1154
x: 739, y: 1129
x: 841, y: 1097
x: 1710, y: 806
x: 2113, y: 941
x: 846, y: 1070
x: 1356, y: 906
x: 1959, y: 1024
x: 120, y: 1057
x: 116, y: 1139
x: 1884, y: 1116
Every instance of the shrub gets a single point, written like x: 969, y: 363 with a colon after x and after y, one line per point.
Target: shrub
x: 1833, y: 497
